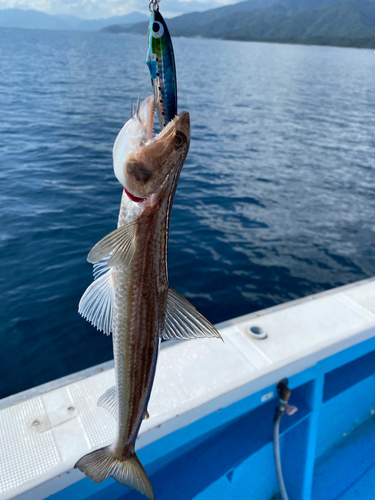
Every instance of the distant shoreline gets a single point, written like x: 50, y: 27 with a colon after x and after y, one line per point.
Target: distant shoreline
x: 313, y: 42
x: 270, y: 41
x: 365, y: 43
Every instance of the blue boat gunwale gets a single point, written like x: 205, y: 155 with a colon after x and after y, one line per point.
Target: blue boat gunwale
x: 94, y: 370
x: 180, y: 442
x: 177, y: 434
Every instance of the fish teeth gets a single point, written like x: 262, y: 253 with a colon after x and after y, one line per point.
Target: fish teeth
x: 135, y: 114
x: 165, y: 129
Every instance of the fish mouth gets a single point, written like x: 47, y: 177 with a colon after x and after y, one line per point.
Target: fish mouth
x: 148, y: 168
x: 146, y: 113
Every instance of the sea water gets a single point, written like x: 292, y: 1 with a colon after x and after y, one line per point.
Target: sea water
x: 276, y: 199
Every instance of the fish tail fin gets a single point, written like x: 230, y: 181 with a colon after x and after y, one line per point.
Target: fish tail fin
x: 102, y: 464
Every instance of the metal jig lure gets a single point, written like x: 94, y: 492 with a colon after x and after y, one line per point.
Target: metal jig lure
x: 161, y: 63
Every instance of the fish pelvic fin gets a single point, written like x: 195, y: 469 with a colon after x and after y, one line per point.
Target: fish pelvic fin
x: 183, y: 321
x: 102, y: 464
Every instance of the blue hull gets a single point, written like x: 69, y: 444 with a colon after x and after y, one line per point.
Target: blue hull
x: 327, y: 447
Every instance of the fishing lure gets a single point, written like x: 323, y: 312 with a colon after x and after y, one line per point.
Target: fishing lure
x: 161, y: 63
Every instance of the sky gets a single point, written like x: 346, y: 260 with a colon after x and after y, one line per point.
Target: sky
x: 95, y: 9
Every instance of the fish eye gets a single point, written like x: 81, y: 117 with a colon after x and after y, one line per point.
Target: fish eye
x: 179, y: 139
x: 157, y: 30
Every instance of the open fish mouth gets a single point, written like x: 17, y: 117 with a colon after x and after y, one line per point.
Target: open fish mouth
x: 145, y: 113
x: 143, y: 161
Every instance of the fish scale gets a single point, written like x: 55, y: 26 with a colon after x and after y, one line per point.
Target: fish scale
x: 141, y: 325
x: 130, y: 296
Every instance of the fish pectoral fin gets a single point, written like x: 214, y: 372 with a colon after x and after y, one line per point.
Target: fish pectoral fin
x: 183, y: 321
x: 119, y: 243
x: 108, y: 400
x: 96, y: 304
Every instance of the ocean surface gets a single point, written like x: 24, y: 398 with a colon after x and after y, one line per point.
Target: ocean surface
x: 276, y: 200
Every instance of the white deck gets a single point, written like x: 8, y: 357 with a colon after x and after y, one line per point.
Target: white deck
x: 43, y: 436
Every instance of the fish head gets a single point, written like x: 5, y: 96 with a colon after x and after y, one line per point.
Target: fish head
x: 147, y: 164
x: 147, y: 169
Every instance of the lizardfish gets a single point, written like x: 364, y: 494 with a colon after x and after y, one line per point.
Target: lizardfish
x: 161, y: 63
x: 130, y: 296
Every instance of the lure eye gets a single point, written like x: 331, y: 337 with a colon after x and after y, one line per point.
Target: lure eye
x: 157, y: 30
x: 179, y: 139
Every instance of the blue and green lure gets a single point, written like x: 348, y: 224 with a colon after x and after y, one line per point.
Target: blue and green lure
x: 160, y: 61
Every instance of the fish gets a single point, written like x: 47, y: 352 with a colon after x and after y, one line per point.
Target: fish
x: 130, y: 295
x: 161, y: 63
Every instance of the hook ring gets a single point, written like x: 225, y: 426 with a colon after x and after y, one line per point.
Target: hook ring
x: 153, y: 5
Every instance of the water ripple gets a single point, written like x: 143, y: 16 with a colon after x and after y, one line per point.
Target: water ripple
x: 276, y: 199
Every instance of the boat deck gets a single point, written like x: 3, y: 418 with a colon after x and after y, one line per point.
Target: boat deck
x: 210, y: 429
x: 347, y: 470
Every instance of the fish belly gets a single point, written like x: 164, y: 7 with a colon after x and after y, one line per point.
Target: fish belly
x: 140, y: 301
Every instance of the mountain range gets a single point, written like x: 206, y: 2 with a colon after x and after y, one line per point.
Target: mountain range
x: 33, y: 19
x: 348, y: 23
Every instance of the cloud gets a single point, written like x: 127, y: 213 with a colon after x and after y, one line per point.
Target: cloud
x: 42, y: 5
x: 188, y: 5
x: 94, y: 9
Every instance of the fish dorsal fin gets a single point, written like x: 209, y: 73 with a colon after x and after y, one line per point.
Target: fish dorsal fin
x: 120, y: 243
x: 183, y: 321
x: 96, y: 304
x: 108, y: 400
